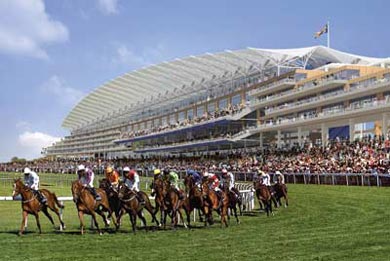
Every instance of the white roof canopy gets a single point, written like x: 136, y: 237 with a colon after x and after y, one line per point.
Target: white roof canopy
x: 165, y: 79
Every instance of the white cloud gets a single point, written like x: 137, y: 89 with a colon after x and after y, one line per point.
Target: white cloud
x: 60, y: 90
x: 23, y: 125
x: 25, y: 28
x: 108, y: 7
x: 32, y: 143
x: 125, y: 55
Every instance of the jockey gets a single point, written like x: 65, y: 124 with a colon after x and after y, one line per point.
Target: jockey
x: 228, y: 177
x: 265, y: 179
x: 157, y: 175
x: 278, y: 177
x: 31, y: 180
x: 173, y: 180
x: 131, y: 180
x: 214, y: 181
x: 196, y: 177
x: 112, y: 176
x: 86, y: 177
x: 214, y: 185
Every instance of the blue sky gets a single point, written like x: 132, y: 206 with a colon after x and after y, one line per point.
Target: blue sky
x: 52, y: 53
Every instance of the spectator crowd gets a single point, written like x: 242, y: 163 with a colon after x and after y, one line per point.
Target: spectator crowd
x: 370, y: 155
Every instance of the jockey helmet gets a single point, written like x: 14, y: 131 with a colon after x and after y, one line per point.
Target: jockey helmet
x: 224, y: 171
x: 126, y: 169
x: 157, y: 171
x: 109, y: 170
x: 27, y: 171
x: 80, y: 168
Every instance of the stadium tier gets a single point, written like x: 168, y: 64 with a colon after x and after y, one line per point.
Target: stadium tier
x: 251, y: 98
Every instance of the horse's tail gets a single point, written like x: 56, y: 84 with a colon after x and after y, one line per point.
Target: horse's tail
x: 59, y: 204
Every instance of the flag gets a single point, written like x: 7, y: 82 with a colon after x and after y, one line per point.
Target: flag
x: 324, y: 30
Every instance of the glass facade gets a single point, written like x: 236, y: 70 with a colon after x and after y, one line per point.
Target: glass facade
x: 236, y: 99
x: 200, y: 111
x: 222, y: 104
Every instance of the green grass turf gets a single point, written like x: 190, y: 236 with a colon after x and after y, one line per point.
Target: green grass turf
x: 322, y: 223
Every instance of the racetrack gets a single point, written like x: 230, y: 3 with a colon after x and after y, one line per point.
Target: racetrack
x: 322, y: 223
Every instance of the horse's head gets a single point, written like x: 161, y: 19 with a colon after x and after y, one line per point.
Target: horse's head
x: 18, y: 187
x: 189, y: 183
x: 76, y: 189
x: 122, y: 191
x: 205, y: 188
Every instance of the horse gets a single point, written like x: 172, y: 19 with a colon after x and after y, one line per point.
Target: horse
x: 212, y: 202
x: 234, y: 200
x: 31, y: 205
x: 160, y: 192
x: 113, y: 199
x: 133, y: 207
x: 194, y: 199
x: 86, y: 204
x: 173, y: 204
x: 263, y: 195
x: 281, y: 192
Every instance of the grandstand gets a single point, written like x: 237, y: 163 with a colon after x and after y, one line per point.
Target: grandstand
x: 250, y: 98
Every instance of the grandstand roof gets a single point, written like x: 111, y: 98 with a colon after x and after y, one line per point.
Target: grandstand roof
x: 182, y: 76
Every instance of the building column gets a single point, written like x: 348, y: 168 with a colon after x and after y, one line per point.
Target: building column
x: 351, y: 130
x: 384, y: 125
x: 324, y: 134
x: 279, y: 139
x: 300, y: 137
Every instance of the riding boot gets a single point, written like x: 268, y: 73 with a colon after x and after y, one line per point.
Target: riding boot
x: 153, y: 193
x: 41, y: 198
x: 95, y: 194
x: 140, y: 198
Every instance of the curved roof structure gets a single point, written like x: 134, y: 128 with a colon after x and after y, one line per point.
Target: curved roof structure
x: 180, y: 75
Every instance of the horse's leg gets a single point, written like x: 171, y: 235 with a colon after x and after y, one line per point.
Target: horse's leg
x: 182, y: 219
x: 224, y: 213
x: 38, y: 222
x: 235, y: 214
x: 81, y: 218
x: 24, y: 218
x: 93, y: 214
x: 285, y: 200
x: 133, y: 220
x: 47, y: 214
x: 55, y: 210
x: 105, y: 220
x: 142, y: 217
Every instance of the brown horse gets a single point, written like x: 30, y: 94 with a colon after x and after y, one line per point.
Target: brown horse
x: 194, y: 199
x: 212, y: 202
x: 86, y: 204
x: 132, y: 205
x: 31, y: 205
x: 160, y: 193
x: 113, y: 199
x: 234, y: 201
x: 281, y: 192
x: 264, y: 197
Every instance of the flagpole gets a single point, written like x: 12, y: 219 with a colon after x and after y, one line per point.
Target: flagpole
x: 328, y: 34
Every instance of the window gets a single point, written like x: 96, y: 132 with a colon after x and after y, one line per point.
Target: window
x: 211, y: 107
x: 190, y: 114
x: 172, y: 118
x: 236, y: 99
x: 222, y: 104
x: 181, y: 115
x: 164, y: 121
x: 156, y: 122
x: 200, y: 111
